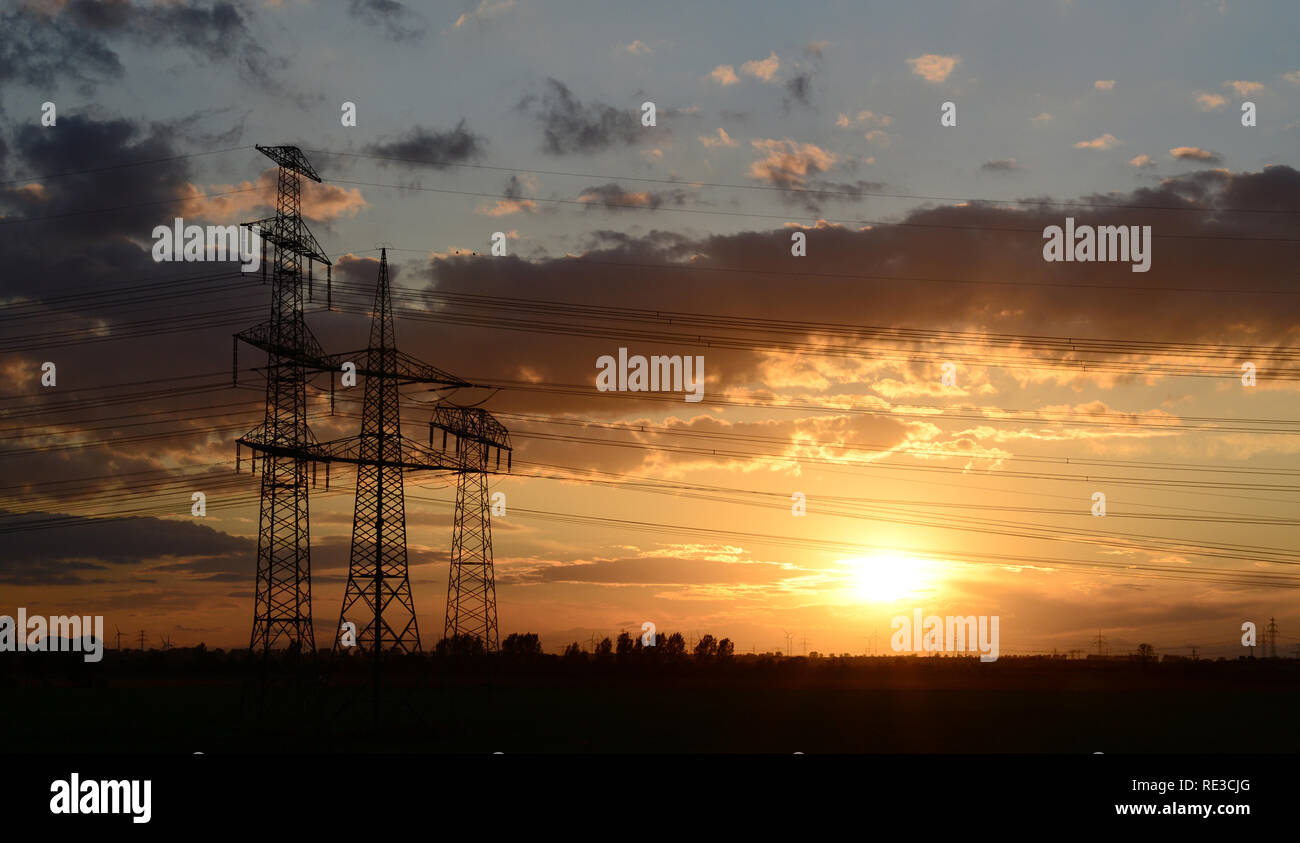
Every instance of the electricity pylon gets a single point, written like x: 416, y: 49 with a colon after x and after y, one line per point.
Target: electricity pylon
x: 378, y: 593
x: 471, y: 585
x: 282, y: 606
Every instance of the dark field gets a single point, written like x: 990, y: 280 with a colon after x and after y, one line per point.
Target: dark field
x: 750, y: 705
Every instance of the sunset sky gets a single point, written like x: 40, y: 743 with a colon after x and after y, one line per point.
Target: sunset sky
x: 824, y: 373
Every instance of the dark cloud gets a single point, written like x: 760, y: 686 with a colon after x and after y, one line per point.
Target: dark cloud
x: 95, y: 246
x: 73, y: 42
x: 820, y: 191
x: 78, y: 546
x: 514, y: 188
x: 206, y: 128
x: 616, y: 197
x: 799, y: 89
x: 399, y: 22
x: 1002, y: 165
x: 39, y: 49
x: 569, y: 125
x: 438, y: 149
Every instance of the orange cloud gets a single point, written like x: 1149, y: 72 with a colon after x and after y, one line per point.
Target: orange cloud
x: 1106, y: 141
x: 1209, y: 102
x: 721, y: 139
x: 932, y: 67
x: 1244, y: 89
x: 788, y: 162
x: 764, y: 69
x: 724, y: 74
x: 320, y: 202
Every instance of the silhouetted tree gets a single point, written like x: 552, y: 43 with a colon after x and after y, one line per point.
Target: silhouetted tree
x: 605, y: 650
x: 573, y: 653
x: 1146, y: 652
x: 726, y: 649
x: 673, y: 645
x: 461, y: 646
x: 706, y: 648
x: 625, y: 645
x: 526, y: 645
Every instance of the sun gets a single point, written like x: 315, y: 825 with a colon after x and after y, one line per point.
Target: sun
x: 887, y: 577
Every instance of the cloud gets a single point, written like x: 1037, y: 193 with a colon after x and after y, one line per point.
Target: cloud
x: 486, y: 10
x: 1193, y: 153
x: 1104, y: 84
x: 637, y: 48
x: 1209, y: 102
x: 799, y: 88
x: 1244, y: 89
x: 429, y: 147
x: 320, y: 202
x: 81, y: 547
x: 816, y: 49
x: 1003, y: 165
x: 513, y: 201
x: 821, y: 191
x: 1141, y: 162
x: 615, y: 197
x: 1293, y: 77
x: 867, y: 118
x: 570, y: 125
x: 71, y: 40
x: 932, y: 67
x: 399, y: 22
x: 720, y: 139
x: 787, y: 163
x: 764, y: 69
x: 1043, y: 117
x: 724, y: 75
x: 1106, y: 141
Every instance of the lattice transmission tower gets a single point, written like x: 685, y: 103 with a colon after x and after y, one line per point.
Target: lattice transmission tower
x: 282, y: 605
x: 471, y: 587
x: 378, y: 595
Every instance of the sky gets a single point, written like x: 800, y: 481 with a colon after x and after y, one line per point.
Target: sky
x: 824, y: 373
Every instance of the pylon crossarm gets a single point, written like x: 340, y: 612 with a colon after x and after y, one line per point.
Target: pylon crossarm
x: 303, y: 243
x: 411, y: 455
x: 472, y: 423
x: 407, y: 370
x: 309, y: 353
x: 290, y: 158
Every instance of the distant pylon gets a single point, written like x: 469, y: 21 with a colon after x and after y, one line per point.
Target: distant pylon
x: 471, y: 586
x: 379, y: 586
x: 1271, y: 651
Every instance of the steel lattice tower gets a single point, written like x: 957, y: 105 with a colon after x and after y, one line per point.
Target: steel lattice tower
x: 379, y: 586
x: 471, y: 587
x: 282, y: 608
